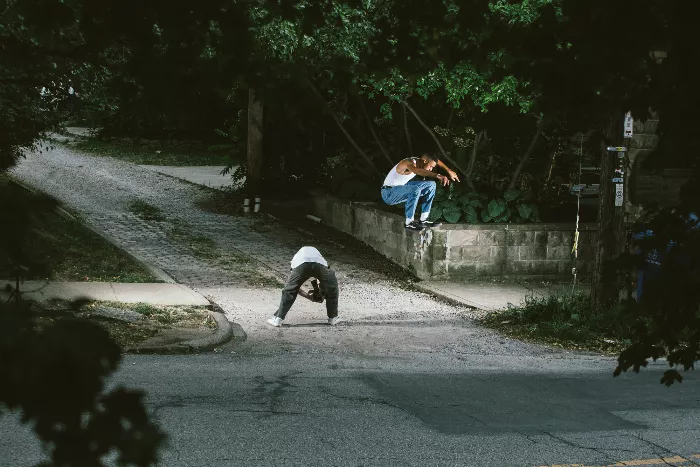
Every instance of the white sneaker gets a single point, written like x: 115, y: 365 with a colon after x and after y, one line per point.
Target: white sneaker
x: 275, y: 321
x: 334, y: 321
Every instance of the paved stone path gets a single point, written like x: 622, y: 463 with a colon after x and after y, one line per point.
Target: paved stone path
x: 103, y: 194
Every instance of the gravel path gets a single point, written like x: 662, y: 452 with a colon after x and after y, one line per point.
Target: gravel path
x: 381, y: 315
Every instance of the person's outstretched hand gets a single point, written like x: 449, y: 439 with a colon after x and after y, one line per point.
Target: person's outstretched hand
x: 453, y: 175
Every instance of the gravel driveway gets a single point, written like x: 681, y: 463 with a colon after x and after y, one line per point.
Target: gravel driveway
x: 381, y: 316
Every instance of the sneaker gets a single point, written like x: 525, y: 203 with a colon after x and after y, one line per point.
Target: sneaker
x: 333, y: 321
x: 414, y: 226
x: 429, y: 224
x: 275, y: 321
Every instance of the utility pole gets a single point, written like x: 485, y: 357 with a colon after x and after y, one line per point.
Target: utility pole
x: 606, y: 283
x: 254, y: 151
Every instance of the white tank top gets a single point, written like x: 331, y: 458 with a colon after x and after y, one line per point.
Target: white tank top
x: 396, y: 179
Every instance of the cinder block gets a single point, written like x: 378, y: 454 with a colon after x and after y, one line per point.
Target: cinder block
x: 558, y: 253
x: 540, y: 239
x: 463, y: 237
x: 498, y: 253
x: 533, y: 253
x: 455, y: 254
x: 476, y: 253
x: 491, y: 237
x: 512, y: 253
x: 559, y: 238
x: 520, y: 237
x: 440, y: 253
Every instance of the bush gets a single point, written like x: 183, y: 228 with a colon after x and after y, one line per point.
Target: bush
x: 566, y: 320
x: 513, y: 206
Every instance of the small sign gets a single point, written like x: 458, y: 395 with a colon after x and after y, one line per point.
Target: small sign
x: 617, y: 180
x: 619, y: 194
x: 617, y: 148
x: 629, y: 124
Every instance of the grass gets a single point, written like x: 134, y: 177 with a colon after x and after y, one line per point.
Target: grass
x: 59, y: 249
x: 171, y: 315
x: 146, y: 211
x: 167, y: 155
x: 227, y: 202
x: 126, y: 334
x: 564, y: 321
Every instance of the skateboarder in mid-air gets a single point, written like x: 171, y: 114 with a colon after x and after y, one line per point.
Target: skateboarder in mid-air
x: 400, y: 188
x: 307, y: 263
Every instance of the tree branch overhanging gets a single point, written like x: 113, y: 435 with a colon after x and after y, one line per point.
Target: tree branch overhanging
x: 408, y: 135
x: 526, y: 156
x: 337, y: 121
x: 371, y: 129
x: 472, y: 160
x: 434, y: 136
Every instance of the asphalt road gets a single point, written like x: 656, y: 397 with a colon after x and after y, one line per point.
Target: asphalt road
x: 329, y: 409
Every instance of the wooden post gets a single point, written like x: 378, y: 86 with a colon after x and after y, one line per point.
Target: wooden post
x: 605, y: 285
x: 255, y: 145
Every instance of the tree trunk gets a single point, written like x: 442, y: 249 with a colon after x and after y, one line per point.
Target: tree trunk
x: 408, y: 135
x: 255, y: 144
x: 605, y: 284
x: 526, y: 156
x: 374, y: 133
x: 472, y: 160
x: 337, y: 121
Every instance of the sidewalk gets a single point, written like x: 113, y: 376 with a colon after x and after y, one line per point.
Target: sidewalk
x: 154, y: 294
x: 207, y: 175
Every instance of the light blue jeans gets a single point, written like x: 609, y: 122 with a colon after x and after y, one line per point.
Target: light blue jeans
x: 411, y: 193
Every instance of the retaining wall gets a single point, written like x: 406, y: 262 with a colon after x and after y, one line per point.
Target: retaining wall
x: 456, y: 251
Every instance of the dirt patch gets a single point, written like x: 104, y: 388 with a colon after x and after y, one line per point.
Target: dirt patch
x: 131, y: 324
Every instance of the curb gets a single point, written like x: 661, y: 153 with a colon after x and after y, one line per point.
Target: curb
x: 225, y: 331
x: 450, y: 299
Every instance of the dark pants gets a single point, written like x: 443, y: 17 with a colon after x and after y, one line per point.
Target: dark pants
x: 302, y: 273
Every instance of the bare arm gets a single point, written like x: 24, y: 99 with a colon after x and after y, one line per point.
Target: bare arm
x: 408, y: 165
x: 450, y: 173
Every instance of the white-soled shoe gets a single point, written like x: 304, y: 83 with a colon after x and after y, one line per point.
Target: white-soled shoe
x: 334, y: 321
x: 275, y: 321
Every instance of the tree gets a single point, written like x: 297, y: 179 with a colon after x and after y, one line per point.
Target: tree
x: 53, y: 374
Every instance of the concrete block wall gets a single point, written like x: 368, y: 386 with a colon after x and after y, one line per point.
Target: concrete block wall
x: 462, y: 250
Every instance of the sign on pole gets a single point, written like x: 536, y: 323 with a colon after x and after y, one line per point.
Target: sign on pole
x: 629, y: 124
x: 619, y: 194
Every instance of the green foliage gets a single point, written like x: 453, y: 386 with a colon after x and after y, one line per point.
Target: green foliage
x: 566, y: 320
x: 667, y: 315
x: 340, y: 179
x: 512, y: 206
x: 55, y: 377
